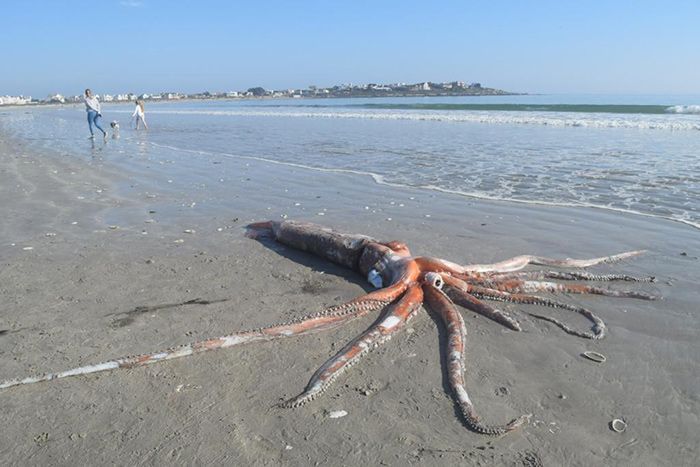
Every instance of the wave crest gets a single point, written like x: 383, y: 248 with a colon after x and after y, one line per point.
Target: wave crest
x: 684, y: 109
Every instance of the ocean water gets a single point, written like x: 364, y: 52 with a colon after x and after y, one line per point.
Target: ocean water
x: 639, y: 155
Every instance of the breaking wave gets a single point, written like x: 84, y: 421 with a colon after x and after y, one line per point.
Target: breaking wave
x: 684, y: 109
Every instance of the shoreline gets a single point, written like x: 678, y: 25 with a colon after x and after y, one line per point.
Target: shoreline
x: 69, y: 300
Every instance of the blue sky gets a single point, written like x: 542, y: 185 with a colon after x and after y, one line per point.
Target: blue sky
x: 596, y: 46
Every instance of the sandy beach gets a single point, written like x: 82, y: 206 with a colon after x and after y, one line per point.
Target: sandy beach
x: 85, y: 243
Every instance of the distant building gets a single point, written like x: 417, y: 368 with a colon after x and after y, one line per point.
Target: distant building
x: 15, y: 100
x: 56, y: 99
x: 425, y: 86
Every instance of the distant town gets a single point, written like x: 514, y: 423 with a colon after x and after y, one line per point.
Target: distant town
x: 453, y: 88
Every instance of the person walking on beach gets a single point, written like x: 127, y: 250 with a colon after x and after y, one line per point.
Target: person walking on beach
x: 93, y: 108
x: 140, y: 115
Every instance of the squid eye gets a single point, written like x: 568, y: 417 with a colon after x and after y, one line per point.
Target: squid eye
x: 374, y: 278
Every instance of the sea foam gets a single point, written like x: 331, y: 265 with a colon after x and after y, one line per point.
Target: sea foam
x: 642, y: 122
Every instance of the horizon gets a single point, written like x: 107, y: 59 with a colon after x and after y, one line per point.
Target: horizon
x: 118, y: 46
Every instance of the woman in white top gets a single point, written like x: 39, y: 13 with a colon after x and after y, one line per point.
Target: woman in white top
x: 140, y: 115
x: 94, y: 112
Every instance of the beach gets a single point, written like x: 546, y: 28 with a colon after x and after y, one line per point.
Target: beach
x: 91, y: 238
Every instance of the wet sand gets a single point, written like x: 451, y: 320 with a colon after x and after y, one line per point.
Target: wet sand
x: 83, y: 244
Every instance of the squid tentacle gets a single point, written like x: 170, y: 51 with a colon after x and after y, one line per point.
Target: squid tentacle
x: 460, y: 292
x: 597, y: 330
x: 376, y: 335
x: 326, y: 319
x: 456, y: 336
x: 520, y: 286
x: 569, y: 276
x: 518, y: 262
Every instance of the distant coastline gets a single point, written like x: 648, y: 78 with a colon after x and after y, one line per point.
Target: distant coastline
x: 371, y: 90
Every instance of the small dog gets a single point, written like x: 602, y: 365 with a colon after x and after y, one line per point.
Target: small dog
x: 115, y: 128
